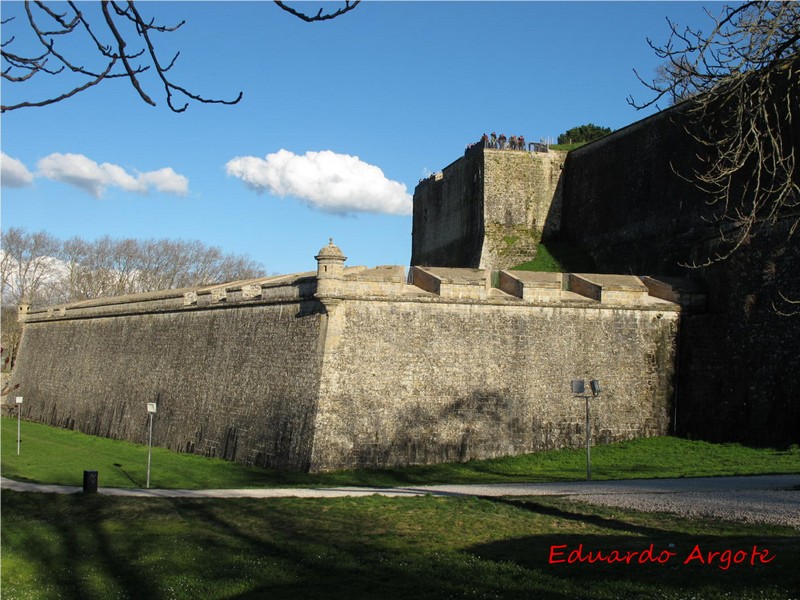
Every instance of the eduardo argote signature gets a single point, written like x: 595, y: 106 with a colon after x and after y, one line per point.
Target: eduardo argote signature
x: 721, y: 559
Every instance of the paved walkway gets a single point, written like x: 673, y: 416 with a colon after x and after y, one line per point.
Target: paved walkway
x: 773, y: 499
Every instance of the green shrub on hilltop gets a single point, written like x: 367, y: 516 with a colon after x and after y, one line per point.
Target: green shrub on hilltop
x: 583, y: 133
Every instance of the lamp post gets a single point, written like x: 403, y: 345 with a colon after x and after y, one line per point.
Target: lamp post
x: 19, y: 421
x: 579, y: 391
x: 151, y: 410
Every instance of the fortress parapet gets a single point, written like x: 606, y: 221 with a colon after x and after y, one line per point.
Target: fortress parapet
x: 333, y: 283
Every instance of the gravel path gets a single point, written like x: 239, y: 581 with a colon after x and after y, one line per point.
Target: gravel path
x: 772, y: 499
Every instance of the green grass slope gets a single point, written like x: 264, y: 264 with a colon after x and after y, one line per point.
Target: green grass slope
x: 52, y: 455
x: 556, y: 256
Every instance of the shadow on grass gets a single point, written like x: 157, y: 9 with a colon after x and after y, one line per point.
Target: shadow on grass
x: 678, y: 563
x: 72, y: 551
x: 128, y: 475
x: 97, y: 547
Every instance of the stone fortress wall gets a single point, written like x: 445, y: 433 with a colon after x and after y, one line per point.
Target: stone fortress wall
x: 626, y: 201
x: 356, y: 367
x: 457, y: 358
x: 234, y: 377
x: 488, y: 209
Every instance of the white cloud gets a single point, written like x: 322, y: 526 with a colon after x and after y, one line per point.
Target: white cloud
x: 84, y: 173
x: 337, y: 183
x: 166, y: 180
x: 13, y: 173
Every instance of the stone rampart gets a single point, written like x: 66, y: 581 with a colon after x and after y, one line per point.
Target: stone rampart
x: 488, y: 209
x: 447, y: 225
x: 412, y: 382
x: 625, y: 203
x: 628, y: 201
x: 373, y: 369
x: 235, y: 379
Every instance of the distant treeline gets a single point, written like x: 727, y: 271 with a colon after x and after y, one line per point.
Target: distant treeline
x: 42, y: 270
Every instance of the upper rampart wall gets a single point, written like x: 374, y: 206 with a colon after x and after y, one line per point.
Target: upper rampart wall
x: 522, y: 203
x: 488, y: 209
x: 624, y: 204
x: 447, y: 228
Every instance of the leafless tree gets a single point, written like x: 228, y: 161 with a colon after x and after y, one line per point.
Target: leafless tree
x: 122, y: 39
x: 41, y: 270
x: 29, y: 266
x: 742, y: 81
x: 29, y: 272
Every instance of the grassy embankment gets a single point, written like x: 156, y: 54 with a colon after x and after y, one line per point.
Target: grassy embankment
x: 52, y: 455
x: 558, y: 257
x: 567, y: 147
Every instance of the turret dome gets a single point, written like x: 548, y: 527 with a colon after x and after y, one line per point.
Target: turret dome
x: 330, y: 251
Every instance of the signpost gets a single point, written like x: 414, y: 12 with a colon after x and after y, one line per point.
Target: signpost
x: 151, y: 410
x: 579, y: 391
x: 19, y: 421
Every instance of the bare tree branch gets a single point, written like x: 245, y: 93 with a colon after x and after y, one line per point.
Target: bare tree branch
x: 144, y: 31
x: 64, y: 96
x: 121, y: 45
x: 120, y: 37
x: 348, y: 6
x: 742, y: 82
x: 793, y: 304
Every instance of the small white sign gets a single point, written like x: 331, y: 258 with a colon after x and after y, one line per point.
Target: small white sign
x: 151, y: 407
x: 19, y: 399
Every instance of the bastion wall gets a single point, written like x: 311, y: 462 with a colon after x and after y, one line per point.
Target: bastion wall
x: 233, y: 381
x: 361, y: 367
x: 412, y: 383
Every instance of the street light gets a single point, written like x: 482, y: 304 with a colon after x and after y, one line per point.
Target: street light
x: 579, y: 391
x: 151, y: 410
x: 19, y: 421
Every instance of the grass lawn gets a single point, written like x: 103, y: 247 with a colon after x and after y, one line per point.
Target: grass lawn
x: 52, y: 455
x: 567, y: 147
x: 99, y: 547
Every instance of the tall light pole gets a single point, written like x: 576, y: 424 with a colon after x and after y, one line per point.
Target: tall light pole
x: 151, y: 410
x: 19, y: 421
x: 579, y: 391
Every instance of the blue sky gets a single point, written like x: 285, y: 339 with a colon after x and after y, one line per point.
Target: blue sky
x: 402, y: 86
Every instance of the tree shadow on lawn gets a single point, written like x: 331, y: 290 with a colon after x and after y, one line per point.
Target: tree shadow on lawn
x: 99, y: 547
x: 66, y: 551
x: 666, y: 561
